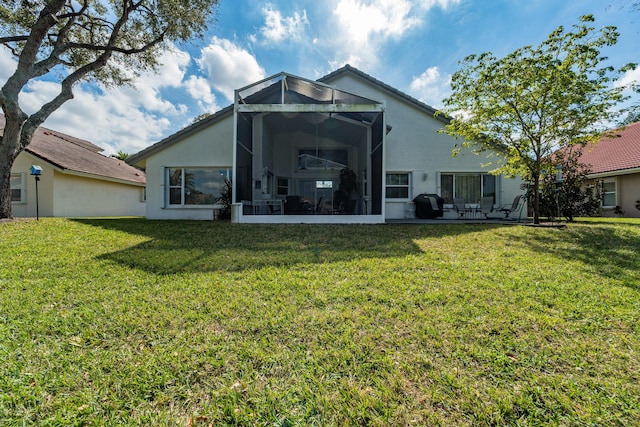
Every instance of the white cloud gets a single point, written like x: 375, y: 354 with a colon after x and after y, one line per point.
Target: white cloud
x: 431, y: 87
x: 364, y: 27
x: 122, y: 118
x: 228, y: 66
x: 106, y: 118
x: 200, y: 90
x: 443, y: 4
x: 278, y: 28
x: 366, y: 20
x: 146, y: 91
x: 629, y: 78
x: 7, y: 64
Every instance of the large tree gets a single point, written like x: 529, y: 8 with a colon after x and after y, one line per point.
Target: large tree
x: 537, y: 99
x: 107, y: 41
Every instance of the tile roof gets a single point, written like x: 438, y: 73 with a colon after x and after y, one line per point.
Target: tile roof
x: 614, y: 153
x: 77, y: 155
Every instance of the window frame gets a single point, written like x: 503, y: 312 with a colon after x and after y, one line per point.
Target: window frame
x: 23, y: 188
x: 483, y: 176
x: 388, y: 186
x: 225, y: 171
x: 283, y: 184
x: 613, y: 181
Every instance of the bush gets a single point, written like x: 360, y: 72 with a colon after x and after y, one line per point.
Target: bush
x: 575, y: 195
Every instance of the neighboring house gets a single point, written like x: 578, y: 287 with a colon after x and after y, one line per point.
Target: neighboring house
x: 615, y: 160
x: 76, y: 180
x: 346, y: 148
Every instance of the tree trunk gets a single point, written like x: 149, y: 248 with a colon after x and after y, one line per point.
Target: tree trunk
x: 5, y: 191
x: 536, y: 198
x: 6, y: 161
x: 10, y: 147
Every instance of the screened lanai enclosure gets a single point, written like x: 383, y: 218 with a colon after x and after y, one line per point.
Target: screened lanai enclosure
x: 307, y: 152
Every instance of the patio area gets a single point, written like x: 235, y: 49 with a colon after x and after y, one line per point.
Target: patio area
x: 499, y: 221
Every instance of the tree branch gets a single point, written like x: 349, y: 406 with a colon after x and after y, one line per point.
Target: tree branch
x: 13, y: 39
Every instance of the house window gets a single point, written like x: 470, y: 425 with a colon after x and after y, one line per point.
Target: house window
x: 282, y: 186
x: 397, y: 185
x: 471, y: 187
x: 18, y: 194
x: 609, y: 193
x: 195, y: 186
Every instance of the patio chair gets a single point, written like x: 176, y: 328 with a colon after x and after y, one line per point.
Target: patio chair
x: 507, y: 209
x: 486, y: 206
x: 459, y: 206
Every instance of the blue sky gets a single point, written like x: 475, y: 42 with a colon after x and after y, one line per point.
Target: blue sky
x: 412, y: 45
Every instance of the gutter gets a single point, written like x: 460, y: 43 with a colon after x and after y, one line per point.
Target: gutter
x: 613, y: 173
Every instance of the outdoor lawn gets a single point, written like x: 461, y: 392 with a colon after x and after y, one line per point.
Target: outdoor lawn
x: 135, y: 322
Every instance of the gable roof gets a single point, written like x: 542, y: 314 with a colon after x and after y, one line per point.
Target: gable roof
x: 348, y: 69
x: 142, y: 155
x: 78, y: 156
x: 180, y: 135
x: 617, y: 153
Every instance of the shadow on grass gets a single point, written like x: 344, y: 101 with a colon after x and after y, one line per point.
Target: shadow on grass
x: 201, y: 246
x: 610, y: 249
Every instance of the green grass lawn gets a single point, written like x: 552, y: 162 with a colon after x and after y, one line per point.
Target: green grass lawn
x: 134, y: 322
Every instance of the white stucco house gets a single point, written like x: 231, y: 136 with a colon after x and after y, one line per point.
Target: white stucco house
x: 346, y: 148
x: 75, y: 181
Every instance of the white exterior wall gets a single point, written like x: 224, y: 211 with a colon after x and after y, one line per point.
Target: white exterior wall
x: 210, y: 147
x: 414, y: 145
x: 77, y: 196
x: 67, y: 195
x: 22, y: 165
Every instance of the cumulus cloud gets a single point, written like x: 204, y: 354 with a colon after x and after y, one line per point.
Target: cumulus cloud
x: 122, y: 118
x: 7, y: 64
x: 106, y: 118
x: 631, y: 77
x: 365, y: 26
x: 431, y: 87
x: 147, y: 89
x: 278, y: 28
x: 200, y: 90
x: 364, y: 21
x: 228, y: 66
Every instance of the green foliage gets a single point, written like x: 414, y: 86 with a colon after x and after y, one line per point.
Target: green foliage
x: 121, y: 155
x: 576, y: 195
x: 226, y: 199
x: 200, y: 117
x: 633, y: 115
x: 537, y: 99
x: 134, y: 322
x: 79, y: 33
x: 74, y: 41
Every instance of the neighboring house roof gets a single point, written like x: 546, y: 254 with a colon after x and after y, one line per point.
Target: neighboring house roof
x: 78, y: 156
x: 225, y: 112
x: 616, y: 152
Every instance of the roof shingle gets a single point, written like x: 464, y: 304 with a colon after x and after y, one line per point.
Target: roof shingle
x: 77, y: 155
x: 618, y: 152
